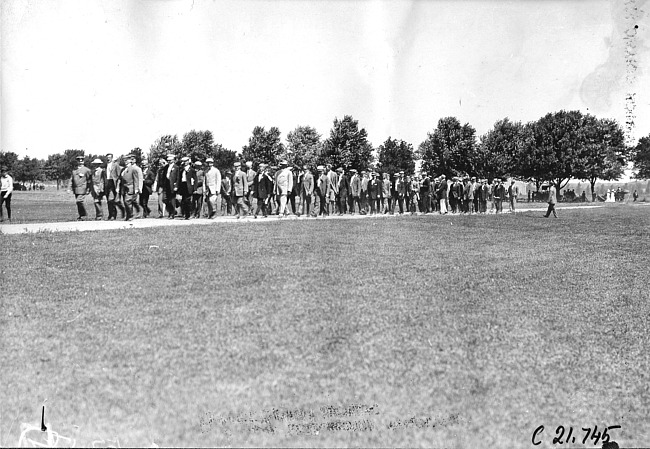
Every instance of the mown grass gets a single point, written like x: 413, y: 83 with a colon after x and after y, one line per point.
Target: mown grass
x: 491, y: 325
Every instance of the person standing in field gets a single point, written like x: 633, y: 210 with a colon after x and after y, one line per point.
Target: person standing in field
x: 149, y: 178
x: 513, y: 192
x: 322, y: 188
x: 136, y: 202
x: 212, y: 186
x: 498, y: 195
x: 442, y: 194
x: 112, y: 187
x: 226, y: 192
x: 171, y: 186
x: 130, y: 183
x: 98, y: 184
x: 306, y: 190
x: 343, y: 189
x: 186, y: 186
x: 635, y: 195
x: 250, y: 176
x: 552, y: 200
x: 283, y: 186
x: 80, y: 185
x: 385, y: 194
x: 161, y: 177
x: 6, y: 189
x: 355, y: 191
x: 262, y: 190
x: 197, y: 196
x: 240, y: 189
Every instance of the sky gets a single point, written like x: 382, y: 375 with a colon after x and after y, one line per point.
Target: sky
x: 112, y: 75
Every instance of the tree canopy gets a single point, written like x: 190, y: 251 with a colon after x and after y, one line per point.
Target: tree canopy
x: 347, y: 146
x: 396, y: 155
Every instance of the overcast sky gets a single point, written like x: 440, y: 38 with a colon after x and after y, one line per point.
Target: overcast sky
x: 111, y: 75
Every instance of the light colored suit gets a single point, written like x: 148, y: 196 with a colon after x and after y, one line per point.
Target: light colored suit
x: 212, y: 185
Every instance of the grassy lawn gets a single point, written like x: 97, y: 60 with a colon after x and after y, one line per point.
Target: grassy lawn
x: 489, y: 326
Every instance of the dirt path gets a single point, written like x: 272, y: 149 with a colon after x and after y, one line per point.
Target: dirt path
x: 77, y: 226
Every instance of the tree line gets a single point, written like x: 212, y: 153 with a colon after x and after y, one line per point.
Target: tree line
x: 556, y: 148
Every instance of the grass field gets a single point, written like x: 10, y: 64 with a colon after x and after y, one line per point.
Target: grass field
x: 486, y: 326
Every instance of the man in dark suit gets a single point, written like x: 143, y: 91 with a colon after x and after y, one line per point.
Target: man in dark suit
x: 322, y: 188
x: 262, y: 190
x: 240, y: 189
x: 98, y: 185
x: 306, y: 183
x: 374, y: 193
x: 160, y: 186
x: 186, y: 186
x: 425, y: 186
x: 171, y: 186
x: 343, y: 189
x: 149, y: 176
x: 498, y: 194
x: 355, y: 191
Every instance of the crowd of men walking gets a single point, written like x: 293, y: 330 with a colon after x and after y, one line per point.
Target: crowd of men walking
x: 189, y: 189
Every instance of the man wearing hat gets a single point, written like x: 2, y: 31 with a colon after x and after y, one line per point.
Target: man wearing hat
x: 343, y: 190
x: 385, y: 193
x: 161, y: 176
x: 355, y: 191
x: 283, y: 185
x: 332, y: 192
x: 363, y: 196
x: 6, y: 189
x: 149, y: 178
x: 306, y: 181
x: 442, y: 194
x: 322, y: 189
x: 197, y: 196
x: 226, y: 192
x: 80, y: 185
x: 130, y: 183
x: 374, y: 193
x: 112, y: 187
x: 212, y: 186
x: 513, y: 193
x: 186, y: 186
x: 498, y: 194
x: 475, y: 187
x: 262, y: 190
x: 425, y: 186
x: 240, y: 189
x: 171, y: 185
x: 136, y: 202
x: 399, y: 192
x: 250, y: 177
x: 98, y: 175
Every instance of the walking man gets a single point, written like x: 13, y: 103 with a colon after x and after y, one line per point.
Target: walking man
x: 552, y: 200
x: 98, y: 184
x: 80, y: 185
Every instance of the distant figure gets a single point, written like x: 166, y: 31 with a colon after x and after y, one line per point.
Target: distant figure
x: 529, y: 192
x: 6, y: 188
x: 635, y: 195
x: 552, y: 200
x: 583, y: 198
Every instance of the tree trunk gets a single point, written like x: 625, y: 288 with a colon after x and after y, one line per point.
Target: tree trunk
x: 592, y: 181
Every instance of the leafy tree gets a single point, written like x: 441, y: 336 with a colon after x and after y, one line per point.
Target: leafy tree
x: 641, y: 158
x: 554, y: 148
x: 223, y: 158
x: 8, y: 159
x: 55, y: 167
x: 396, y: 155
x: 604, y: 153
x: 28, y: 170
x: 347, y: 145
x: 163, y: 146
x: 198, y: 145
x: 449, y: 149
x: 496, y: 154
x: 304, y: 146
x: 264, y: 146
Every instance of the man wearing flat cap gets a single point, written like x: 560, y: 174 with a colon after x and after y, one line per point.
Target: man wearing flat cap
x: 498, y: 193
x: 98, y: 185
x: 80, y: 185
x: 186, y: 186
x: 250, y: 176
x: 240, y: 189
x: 442, y: 195
x: 149, y: 179
x: 130, y: 183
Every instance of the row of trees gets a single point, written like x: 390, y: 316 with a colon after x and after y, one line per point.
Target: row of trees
x: 556, y: 148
